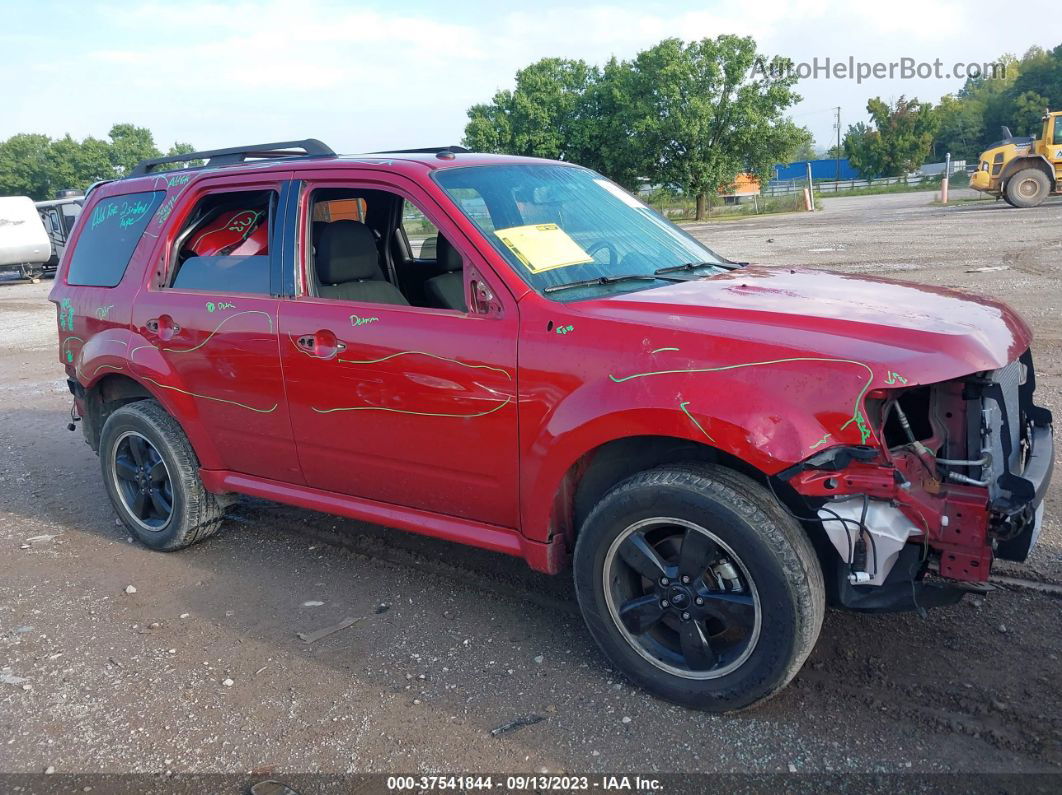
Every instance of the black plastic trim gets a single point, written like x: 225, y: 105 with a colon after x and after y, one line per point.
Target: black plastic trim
x: 310, y: 147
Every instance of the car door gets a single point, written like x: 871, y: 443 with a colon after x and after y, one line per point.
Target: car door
x: 409, y: 405
x: 209, y: 319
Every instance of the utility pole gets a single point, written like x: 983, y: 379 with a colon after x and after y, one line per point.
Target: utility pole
x: 837, y: 152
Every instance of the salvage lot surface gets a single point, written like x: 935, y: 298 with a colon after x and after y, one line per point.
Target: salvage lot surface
x: 201, y: 669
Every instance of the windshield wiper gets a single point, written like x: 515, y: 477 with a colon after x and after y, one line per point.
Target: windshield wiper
x: 690, y: 266
x: 633, y: 277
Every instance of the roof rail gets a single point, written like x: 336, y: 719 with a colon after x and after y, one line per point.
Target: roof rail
x: 310, y: 147
x: 429, y: 150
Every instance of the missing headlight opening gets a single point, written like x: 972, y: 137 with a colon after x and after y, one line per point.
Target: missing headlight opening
x: 957, y: 480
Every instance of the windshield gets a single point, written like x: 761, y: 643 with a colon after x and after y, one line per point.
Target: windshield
x: 561, y: 225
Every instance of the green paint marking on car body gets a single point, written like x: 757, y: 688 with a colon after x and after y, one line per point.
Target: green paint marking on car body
x: 499, y: 407
x: 208, y: 397
x: 503, y: 404
x: 66, y: 315
x: 430, y: 355
x: 217, y: 328
x: 693, y: 419
x: 857, y: 411
x: 821, y: 441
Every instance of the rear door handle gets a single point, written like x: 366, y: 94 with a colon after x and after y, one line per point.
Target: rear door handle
x: 164, y: 322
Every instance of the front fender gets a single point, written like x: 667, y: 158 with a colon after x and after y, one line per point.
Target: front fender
x: 769, y: 414
x: 1031, y: 161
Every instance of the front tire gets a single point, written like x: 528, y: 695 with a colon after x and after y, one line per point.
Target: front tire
x: 1028, y: 188
x: 151, y: 475
x: 699, y: 587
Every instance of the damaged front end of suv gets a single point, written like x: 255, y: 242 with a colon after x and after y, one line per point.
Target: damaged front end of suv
x: 957, y: 479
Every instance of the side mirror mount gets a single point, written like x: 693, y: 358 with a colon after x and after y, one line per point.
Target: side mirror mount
x: 483, y: 300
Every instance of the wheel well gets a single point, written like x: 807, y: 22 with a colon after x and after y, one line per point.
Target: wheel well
x: 598, y: 470
x: 103, y: 398
x: 1022, y: 163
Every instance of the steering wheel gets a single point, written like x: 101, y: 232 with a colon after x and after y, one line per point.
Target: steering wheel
x: 613, y: 254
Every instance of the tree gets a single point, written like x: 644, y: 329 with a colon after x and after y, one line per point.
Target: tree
x: 129, y: 145
x: 542, y: 117
x: 688, y: 115
x: 77, y: 164
x: 699, y: 118
x: 960, y: 130
x: 898, y: 143
x: 862, y: 151
x: 805, y: 150
x: 36, y: 166
x: 1041, y: 75
x: 25, y: 166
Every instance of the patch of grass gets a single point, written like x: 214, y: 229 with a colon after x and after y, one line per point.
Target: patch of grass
x: 682, y: 209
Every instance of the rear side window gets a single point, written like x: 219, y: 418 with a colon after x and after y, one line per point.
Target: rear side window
x: 109, y: 236
x: 224, y: 244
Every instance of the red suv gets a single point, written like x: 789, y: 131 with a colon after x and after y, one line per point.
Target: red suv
x: 518, y: 355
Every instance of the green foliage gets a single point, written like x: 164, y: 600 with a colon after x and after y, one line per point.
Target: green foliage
x: 25, y: 166
x: 899, y: 140
x: 544, y: 116
x: 36, y: 166
x: 805, y: 150
x: 683, y: 114
x: 129, y: 145
x: 970, y: 120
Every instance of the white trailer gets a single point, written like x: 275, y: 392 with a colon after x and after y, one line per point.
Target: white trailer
x: 24, y: 244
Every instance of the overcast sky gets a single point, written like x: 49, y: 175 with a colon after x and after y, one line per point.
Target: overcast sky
x: 364, y: 76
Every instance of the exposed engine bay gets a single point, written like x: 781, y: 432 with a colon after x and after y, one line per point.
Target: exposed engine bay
x: 958, y: 480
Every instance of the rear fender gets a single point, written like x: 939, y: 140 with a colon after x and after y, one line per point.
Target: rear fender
x: 122, y: 352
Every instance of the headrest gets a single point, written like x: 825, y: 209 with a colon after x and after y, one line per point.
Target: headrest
x: 447, y: 256
x: 346, y: 252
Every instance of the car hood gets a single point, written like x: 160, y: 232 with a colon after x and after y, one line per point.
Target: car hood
x: 932, y: 333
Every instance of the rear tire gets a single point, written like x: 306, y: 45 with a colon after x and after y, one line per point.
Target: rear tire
x: 699, y: 587
x: 151, y: 475
x: 1028, y: 188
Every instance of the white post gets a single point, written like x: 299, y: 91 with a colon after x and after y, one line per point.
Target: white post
x: 811, y: 189
x: 944, y: 182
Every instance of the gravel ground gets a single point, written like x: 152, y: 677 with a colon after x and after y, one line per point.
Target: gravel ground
x: 200, y: 668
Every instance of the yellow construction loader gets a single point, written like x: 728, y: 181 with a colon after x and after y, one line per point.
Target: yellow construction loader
x: 1023, y: 171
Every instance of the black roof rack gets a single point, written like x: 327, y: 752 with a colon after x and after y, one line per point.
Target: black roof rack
x: 429, y: 150
x: 310, y: 147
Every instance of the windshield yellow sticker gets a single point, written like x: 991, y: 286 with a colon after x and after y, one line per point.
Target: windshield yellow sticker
x: 543, y: 247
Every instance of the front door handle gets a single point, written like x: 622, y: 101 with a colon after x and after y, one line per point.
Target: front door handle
x: 322, y: 344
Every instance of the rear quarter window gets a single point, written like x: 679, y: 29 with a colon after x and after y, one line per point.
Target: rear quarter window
x: 109, y: 236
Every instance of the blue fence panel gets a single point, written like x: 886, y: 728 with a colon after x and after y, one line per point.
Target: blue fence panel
x: 820, y: 169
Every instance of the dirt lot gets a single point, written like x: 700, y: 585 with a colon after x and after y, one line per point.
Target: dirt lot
x: 201, y: 670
